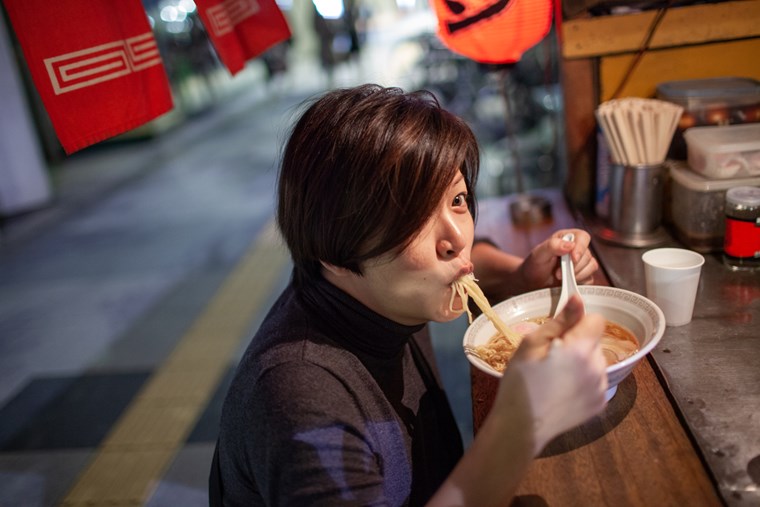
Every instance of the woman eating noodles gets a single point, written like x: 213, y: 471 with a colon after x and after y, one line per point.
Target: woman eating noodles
x: 337, y: 400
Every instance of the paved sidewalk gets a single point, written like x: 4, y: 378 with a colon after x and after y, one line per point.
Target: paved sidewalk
x: 98, y: 288
x: 101, y: 287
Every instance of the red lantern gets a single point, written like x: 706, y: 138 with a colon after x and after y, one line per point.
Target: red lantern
x: 493, y: 31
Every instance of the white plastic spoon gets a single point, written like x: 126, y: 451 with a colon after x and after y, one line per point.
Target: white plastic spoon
x: 569, y: 285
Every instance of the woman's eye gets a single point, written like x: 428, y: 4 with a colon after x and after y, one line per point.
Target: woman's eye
x: 460, y: 200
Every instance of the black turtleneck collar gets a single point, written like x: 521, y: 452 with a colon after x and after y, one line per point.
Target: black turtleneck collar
x: 352, y: 324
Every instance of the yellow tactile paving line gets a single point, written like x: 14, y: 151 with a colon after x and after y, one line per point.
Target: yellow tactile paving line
x: 141, y: 445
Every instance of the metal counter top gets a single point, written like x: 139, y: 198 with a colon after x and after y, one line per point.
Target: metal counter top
x: 711, y: 366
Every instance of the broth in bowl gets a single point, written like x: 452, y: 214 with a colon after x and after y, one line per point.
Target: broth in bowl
x: 632, y: 312
x: 617, y: 343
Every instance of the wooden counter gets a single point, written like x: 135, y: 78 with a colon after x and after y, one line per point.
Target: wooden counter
x: 637, y: 453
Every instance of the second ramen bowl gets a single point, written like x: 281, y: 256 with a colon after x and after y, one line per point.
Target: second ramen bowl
x: 636, y: 313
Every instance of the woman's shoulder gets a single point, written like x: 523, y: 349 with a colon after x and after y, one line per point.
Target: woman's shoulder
x: 304, y: 383
x: 288, y: 344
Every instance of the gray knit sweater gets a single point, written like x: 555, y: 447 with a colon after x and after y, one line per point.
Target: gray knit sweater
x: 333, y: 405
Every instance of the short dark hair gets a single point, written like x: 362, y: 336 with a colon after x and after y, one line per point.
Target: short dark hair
x: 363, y: 171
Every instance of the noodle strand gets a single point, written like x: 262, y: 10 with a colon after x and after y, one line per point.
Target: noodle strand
x: 467, y: 286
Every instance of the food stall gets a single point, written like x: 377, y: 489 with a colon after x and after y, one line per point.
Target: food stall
x: 684, y: 427
x: 601, y: 53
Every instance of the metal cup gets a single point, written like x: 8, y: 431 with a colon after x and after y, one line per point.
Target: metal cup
x: 635, y: 205
x: 636, y: 199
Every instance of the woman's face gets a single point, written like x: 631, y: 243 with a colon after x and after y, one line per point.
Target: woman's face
x: 414, y: 286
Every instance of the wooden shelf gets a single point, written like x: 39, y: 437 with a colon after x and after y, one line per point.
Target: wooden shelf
x: 698, y: 24
x: 691, y: 42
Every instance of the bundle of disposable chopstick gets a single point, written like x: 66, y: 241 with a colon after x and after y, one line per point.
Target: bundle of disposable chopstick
x: 638, y: 131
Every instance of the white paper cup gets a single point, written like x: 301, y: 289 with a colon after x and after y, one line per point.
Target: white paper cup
x: 672, y: 279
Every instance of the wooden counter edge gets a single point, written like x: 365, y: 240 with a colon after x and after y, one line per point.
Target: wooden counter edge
x: 607, y: 35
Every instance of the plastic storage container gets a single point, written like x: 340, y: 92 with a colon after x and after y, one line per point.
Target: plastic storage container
x: 732, y: 151
x: 697, y: 207
x: 714, y: 101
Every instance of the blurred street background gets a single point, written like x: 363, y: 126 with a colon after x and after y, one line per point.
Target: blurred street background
x: 154, y: 250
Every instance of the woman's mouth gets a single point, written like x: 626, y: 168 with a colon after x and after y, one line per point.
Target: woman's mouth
x: 464, y: 270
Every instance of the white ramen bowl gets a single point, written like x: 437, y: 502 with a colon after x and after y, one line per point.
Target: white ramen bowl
x: 634, y: 312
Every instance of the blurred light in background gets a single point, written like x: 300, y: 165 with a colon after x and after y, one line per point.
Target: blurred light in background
x: 170, y: 13
x: 406, y: 4
x: 329, y: 9
x: 175, y: 14
x: 186, y: 6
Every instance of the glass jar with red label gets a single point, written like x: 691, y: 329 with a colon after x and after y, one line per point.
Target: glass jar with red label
x: 741, y: 245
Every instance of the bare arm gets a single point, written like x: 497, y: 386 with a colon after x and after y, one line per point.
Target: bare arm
x: 497, y: 271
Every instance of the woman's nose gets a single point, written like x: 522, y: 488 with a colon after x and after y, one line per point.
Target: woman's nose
x: 451, y: 240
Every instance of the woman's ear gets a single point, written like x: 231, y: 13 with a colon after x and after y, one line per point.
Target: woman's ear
x: 336, y: 270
